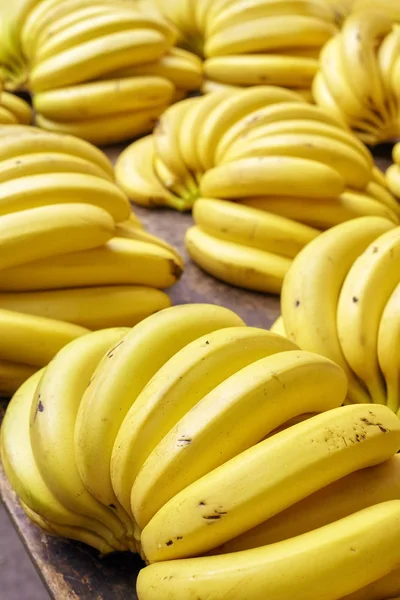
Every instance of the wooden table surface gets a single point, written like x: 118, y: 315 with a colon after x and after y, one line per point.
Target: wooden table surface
x: 74, y: 571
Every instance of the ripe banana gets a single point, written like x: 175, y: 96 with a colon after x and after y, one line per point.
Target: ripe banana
x: 262, y: 69
x: 312, y: 287
x: 17, y: 107
x: 235, y: 498
x: 176, y: 388
x: 393, y: 179
x: 130, y: 230
x: 93, y: 307
x: 344, y: 497
x: 52, y: 423
x: 13, y: 375
x: 52, y: 230
x: 119, y: 262
x: 234, y: 416
x: 122, y: 375
x: 272, y: 175
x: 299, y: 567
x: 278, y: 327
x: 389, y: 349
x: 233, y: 263
x: 382, y: 194
x: 34, y: 340
x: 366, y: 290
x: 101, y: 98
x: 250, y: 227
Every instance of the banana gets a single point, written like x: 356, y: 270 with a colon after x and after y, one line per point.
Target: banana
x: 175, y: 389
x: 365, y: 292
x: 74, y: 533
x: 387, y: 587
x: 99, y: 25
x: 33, y: 191
x: 119, y: 262
x: 250, y: 227
x: 289, y: 107
x: 233, y: 417
x: 23, y: 473
x: 261, y: 69
x: 352, y: 167
x: 7, y: 117
x: 107, y: 129
x: 241, y: 10
x: 48, y: 231
x: 388, y: 349
x: 208, y: 85
x: 13, y: 375
x: 186, y: 190
x: 393, y: 179
x: 101, y: 98
x: 34, y: 340
x: 241, y: 266
x: 120, y: 378
x: 97, y: 57
x: 272, y: 175
x: 340, y: 499
x: 278, y: 327
x: 18, y: 107
x: 310, y: 293
x: 52, y: 423
x: 177, y: 65
x: 30, y: 140
x: 299, y: 567
x: 387, y: 56
x: 269, y: 33
x: 90, y: 307
x: 378, y: 176
x: 382, y: 194
x: 131, y: 231
x: 48, y: 162
x: 135, y: 174
x: 237, y: 106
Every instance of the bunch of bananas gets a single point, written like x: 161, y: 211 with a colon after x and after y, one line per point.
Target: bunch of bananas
x: 341, y: 299
x: 71, y: 253
x: 104, y: 73
x: 153, y: 440
x: 359, y: 76
x: 264, y: 147
x: 273, y: 42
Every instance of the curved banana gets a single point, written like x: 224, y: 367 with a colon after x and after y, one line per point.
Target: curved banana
x: 254, y: 228
x: 91, y: 307
x: 382, y: 194
x: 122, y: 375
x: 365, y: 292
x: 234, y: 416
x: 118, y: 262
x: 345, y: 547
x: 235, y: 498
x: 311, y: 290
x: 52, y: 423
x: 388, y: 349
x: 393, y: 179
x: 34, y: 340
x: 176, y: 388
x: 17, y: 107
x: 130, y: 230
x: 48, y: 231
x: 233, y: 263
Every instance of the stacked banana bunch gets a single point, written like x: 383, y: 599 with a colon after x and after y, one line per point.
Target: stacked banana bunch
x: 291, y: 168
x: 71, y: 254
x: 153, y: 440
x: 341, y: 299
x: 359, y: 76
x: 273, y: 42
x: 103, y: 71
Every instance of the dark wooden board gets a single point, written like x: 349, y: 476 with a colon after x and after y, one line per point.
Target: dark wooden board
x: 71, y: 570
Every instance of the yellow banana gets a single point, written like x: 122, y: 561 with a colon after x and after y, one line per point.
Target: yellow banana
x: 251, y: 227
x: 7, y: 117
x: 387, y: 587
x: 311, y: 290
x: 17, y: 106
x: 393, y: 179
x: 365, y: 292
x: 131, y: 231
x: 233, y: 417
x: 388, y: 349
x: 91, y: 307
x: 278, y: 327
x: 176, y: 388
x: 233, y: 263
x: 13, y: 375
x: 382, y: 194
x: 298, y: 567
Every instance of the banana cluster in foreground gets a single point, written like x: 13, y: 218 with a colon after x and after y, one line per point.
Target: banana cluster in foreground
x: 297, y: 166
x: 72, y: 256
x: 359, y: 76
x: 341, y: 299
x: 103, y: 72
x: 273, y: 42
x: 153, y: 440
